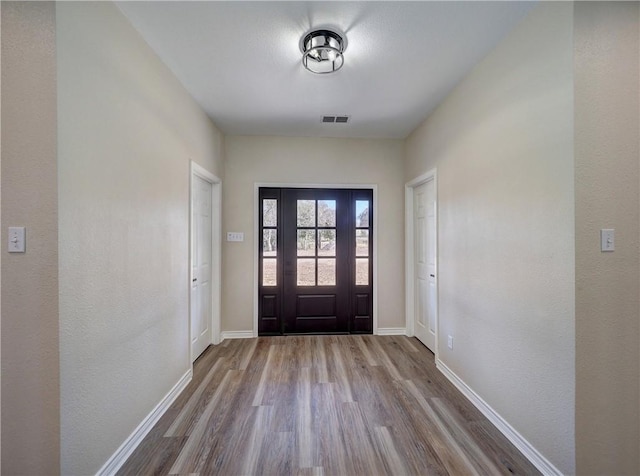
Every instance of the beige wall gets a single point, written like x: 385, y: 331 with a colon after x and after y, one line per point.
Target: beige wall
x: 30, y: 376
x: 251, y: 160
x: 607, y: 146
x: 502, y: 143
x: 1, y: 228
x: 126, y: 132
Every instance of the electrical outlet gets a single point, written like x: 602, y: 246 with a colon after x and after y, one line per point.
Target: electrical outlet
x: 450, y: 342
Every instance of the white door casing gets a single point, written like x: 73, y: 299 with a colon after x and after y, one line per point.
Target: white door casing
x: 421, y: 319
x: 432, y: 297
x: 421, y: 259
x: 204, y: 316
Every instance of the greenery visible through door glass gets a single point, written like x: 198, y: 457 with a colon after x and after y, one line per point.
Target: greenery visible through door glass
x: 306, y: 242
x: 362, y: 242
x: 269, y: 242
x: 326, y: 213
x: 306, y: 213
x: 326, y: 242
x: 269, y: 212
x: 362, y: 213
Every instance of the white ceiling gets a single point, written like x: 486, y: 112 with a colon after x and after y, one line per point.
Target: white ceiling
x: 241, y: 61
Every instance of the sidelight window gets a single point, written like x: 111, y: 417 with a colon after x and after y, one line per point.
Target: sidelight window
x: 363, y: 249
x: 270, y: 242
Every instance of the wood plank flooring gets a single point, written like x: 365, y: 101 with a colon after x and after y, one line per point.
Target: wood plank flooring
x: 323, y: 405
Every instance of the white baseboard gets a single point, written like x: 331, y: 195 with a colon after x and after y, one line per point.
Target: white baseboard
x: 118, y: 458
x: 237, y: 335
x: 392, y: 331
x: 526, y: 448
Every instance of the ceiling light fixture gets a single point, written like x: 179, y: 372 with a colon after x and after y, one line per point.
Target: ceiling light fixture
x: 322, y: 51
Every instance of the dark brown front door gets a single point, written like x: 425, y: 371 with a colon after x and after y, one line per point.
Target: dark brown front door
x: 315, y: 261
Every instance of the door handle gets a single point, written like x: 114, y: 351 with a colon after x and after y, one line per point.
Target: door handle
x: 432, y: 275
x: 194, y: 280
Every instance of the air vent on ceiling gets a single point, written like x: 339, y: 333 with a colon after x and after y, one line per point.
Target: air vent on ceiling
x: 335, y: 119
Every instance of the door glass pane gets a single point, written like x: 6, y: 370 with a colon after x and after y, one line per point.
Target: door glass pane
x: 306, y: 272
x: 326, y: 213
x: 270, y: 212
x: 269, y: 242
x: 362, y: 271
x: 306, y: 213
x: 362, y: 213
x: 269, y: 272
x: 362, y: 242
x: 327, y: 272
x: 306, y: 242
x: 326, y: 242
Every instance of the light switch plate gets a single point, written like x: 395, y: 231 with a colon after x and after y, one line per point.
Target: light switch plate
x: 17, y: 241
x: 607, y: 239
x: 235, y: 236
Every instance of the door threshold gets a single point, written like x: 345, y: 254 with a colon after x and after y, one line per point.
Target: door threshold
x: 316, y: 334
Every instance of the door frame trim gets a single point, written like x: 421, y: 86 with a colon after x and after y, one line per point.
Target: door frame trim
x: 409, y: 252
x: 196, y: 170
x: 256, y: 238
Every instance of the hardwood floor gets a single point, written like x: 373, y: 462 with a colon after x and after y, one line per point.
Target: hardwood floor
x: 323, y: 405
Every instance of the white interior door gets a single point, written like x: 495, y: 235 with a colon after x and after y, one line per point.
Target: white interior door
x: 201, y: 293
x: 424, y: 219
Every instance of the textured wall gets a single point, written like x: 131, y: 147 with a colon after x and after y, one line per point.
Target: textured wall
x: 30, y: 375
x: 127, y: 130
x: 315, y: 161
x: 502, y: 143
x: 607, y: 145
